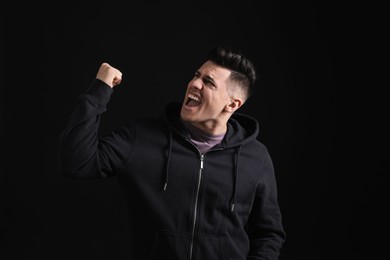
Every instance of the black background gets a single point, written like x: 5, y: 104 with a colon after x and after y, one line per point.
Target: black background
x: 320, y: 114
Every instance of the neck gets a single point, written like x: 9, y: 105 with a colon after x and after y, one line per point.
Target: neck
x: 212, y: 128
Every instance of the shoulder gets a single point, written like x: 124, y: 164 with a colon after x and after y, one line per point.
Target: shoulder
x: 257, y: 147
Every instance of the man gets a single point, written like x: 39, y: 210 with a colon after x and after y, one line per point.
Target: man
x: 198, y: 183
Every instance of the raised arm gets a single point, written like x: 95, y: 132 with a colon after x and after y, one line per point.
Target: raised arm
x: 81, y: 153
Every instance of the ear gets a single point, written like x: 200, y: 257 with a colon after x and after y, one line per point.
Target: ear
x: 235, y: 103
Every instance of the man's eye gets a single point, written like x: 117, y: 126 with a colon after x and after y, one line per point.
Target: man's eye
x: 209, y: 83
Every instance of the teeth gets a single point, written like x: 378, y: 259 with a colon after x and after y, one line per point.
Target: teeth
x: 194, y: 97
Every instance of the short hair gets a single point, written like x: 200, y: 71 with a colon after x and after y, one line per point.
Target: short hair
x: 243, y: 70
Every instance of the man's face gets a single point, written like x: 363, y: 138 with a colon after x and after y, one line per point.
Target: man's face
x: 206, y: 96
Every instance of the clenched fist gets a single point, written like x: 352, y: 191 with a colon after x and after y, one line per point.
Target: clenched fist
x: 110, y: 75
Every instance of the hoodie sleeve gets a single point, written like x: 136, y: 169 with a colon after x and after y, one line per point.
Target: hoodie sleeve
x: 265, y: 228
x: 81, y: 153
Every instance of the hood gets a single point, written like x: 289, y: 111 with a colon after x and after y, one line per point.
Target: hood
x: 242, y: 129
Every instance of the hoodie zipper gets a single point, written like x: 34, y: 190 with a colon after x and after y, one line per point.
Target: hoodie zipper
x: 196, y: 205
x: 196, y: 200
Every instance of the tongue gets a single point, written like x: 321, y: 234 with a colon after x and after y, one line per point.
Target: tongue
x: 192, y: 103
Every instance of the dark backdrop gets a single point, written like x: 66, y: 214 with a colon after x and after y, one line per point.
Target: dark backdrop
x: 309, y: 66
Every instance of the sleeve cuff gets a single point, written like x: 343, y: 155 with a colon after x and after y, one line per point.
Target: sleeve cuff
x: 99, y: 91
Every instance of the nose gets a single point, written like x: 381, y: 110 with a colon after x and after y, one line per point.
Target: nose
x: 196, y: 83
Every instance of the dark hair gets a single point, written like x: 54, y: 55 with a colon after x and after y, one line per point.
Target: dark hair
x: 243, y: 70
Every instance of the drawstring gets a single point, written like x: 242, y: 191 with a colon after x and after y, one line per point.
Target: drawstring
x: 235, y: 178
x: 236, y: 165
x: 168, y: 160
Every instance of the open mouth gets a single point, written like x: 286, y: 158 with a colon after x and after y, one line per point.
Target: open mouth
x: 193, y: 100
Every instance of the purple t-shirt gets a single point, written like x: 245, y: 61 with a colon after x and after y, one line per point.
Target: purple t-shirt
x: 203, y: 140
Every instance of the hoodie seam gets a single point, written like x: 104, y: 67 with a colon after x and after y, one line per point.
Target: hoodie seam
x: 132, y: 144
x: 259, y: 184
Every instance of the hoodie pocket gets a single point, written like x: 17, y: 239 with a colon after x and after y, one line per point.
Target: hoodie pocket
x: 170, y: 245
x: 174, y: 245
x: 211, y: 247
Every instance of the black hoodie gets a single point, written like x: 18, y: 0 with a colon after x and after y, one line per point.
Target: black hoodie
x: 182, y: 204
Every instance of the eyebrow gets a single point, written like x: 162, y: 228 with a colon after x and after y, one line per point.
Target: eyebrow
x: 206, y: 77
x: 210, y: 79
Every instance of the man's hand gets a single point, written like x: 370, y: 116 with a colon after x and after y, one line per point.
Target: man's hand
x: 110, y: 75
